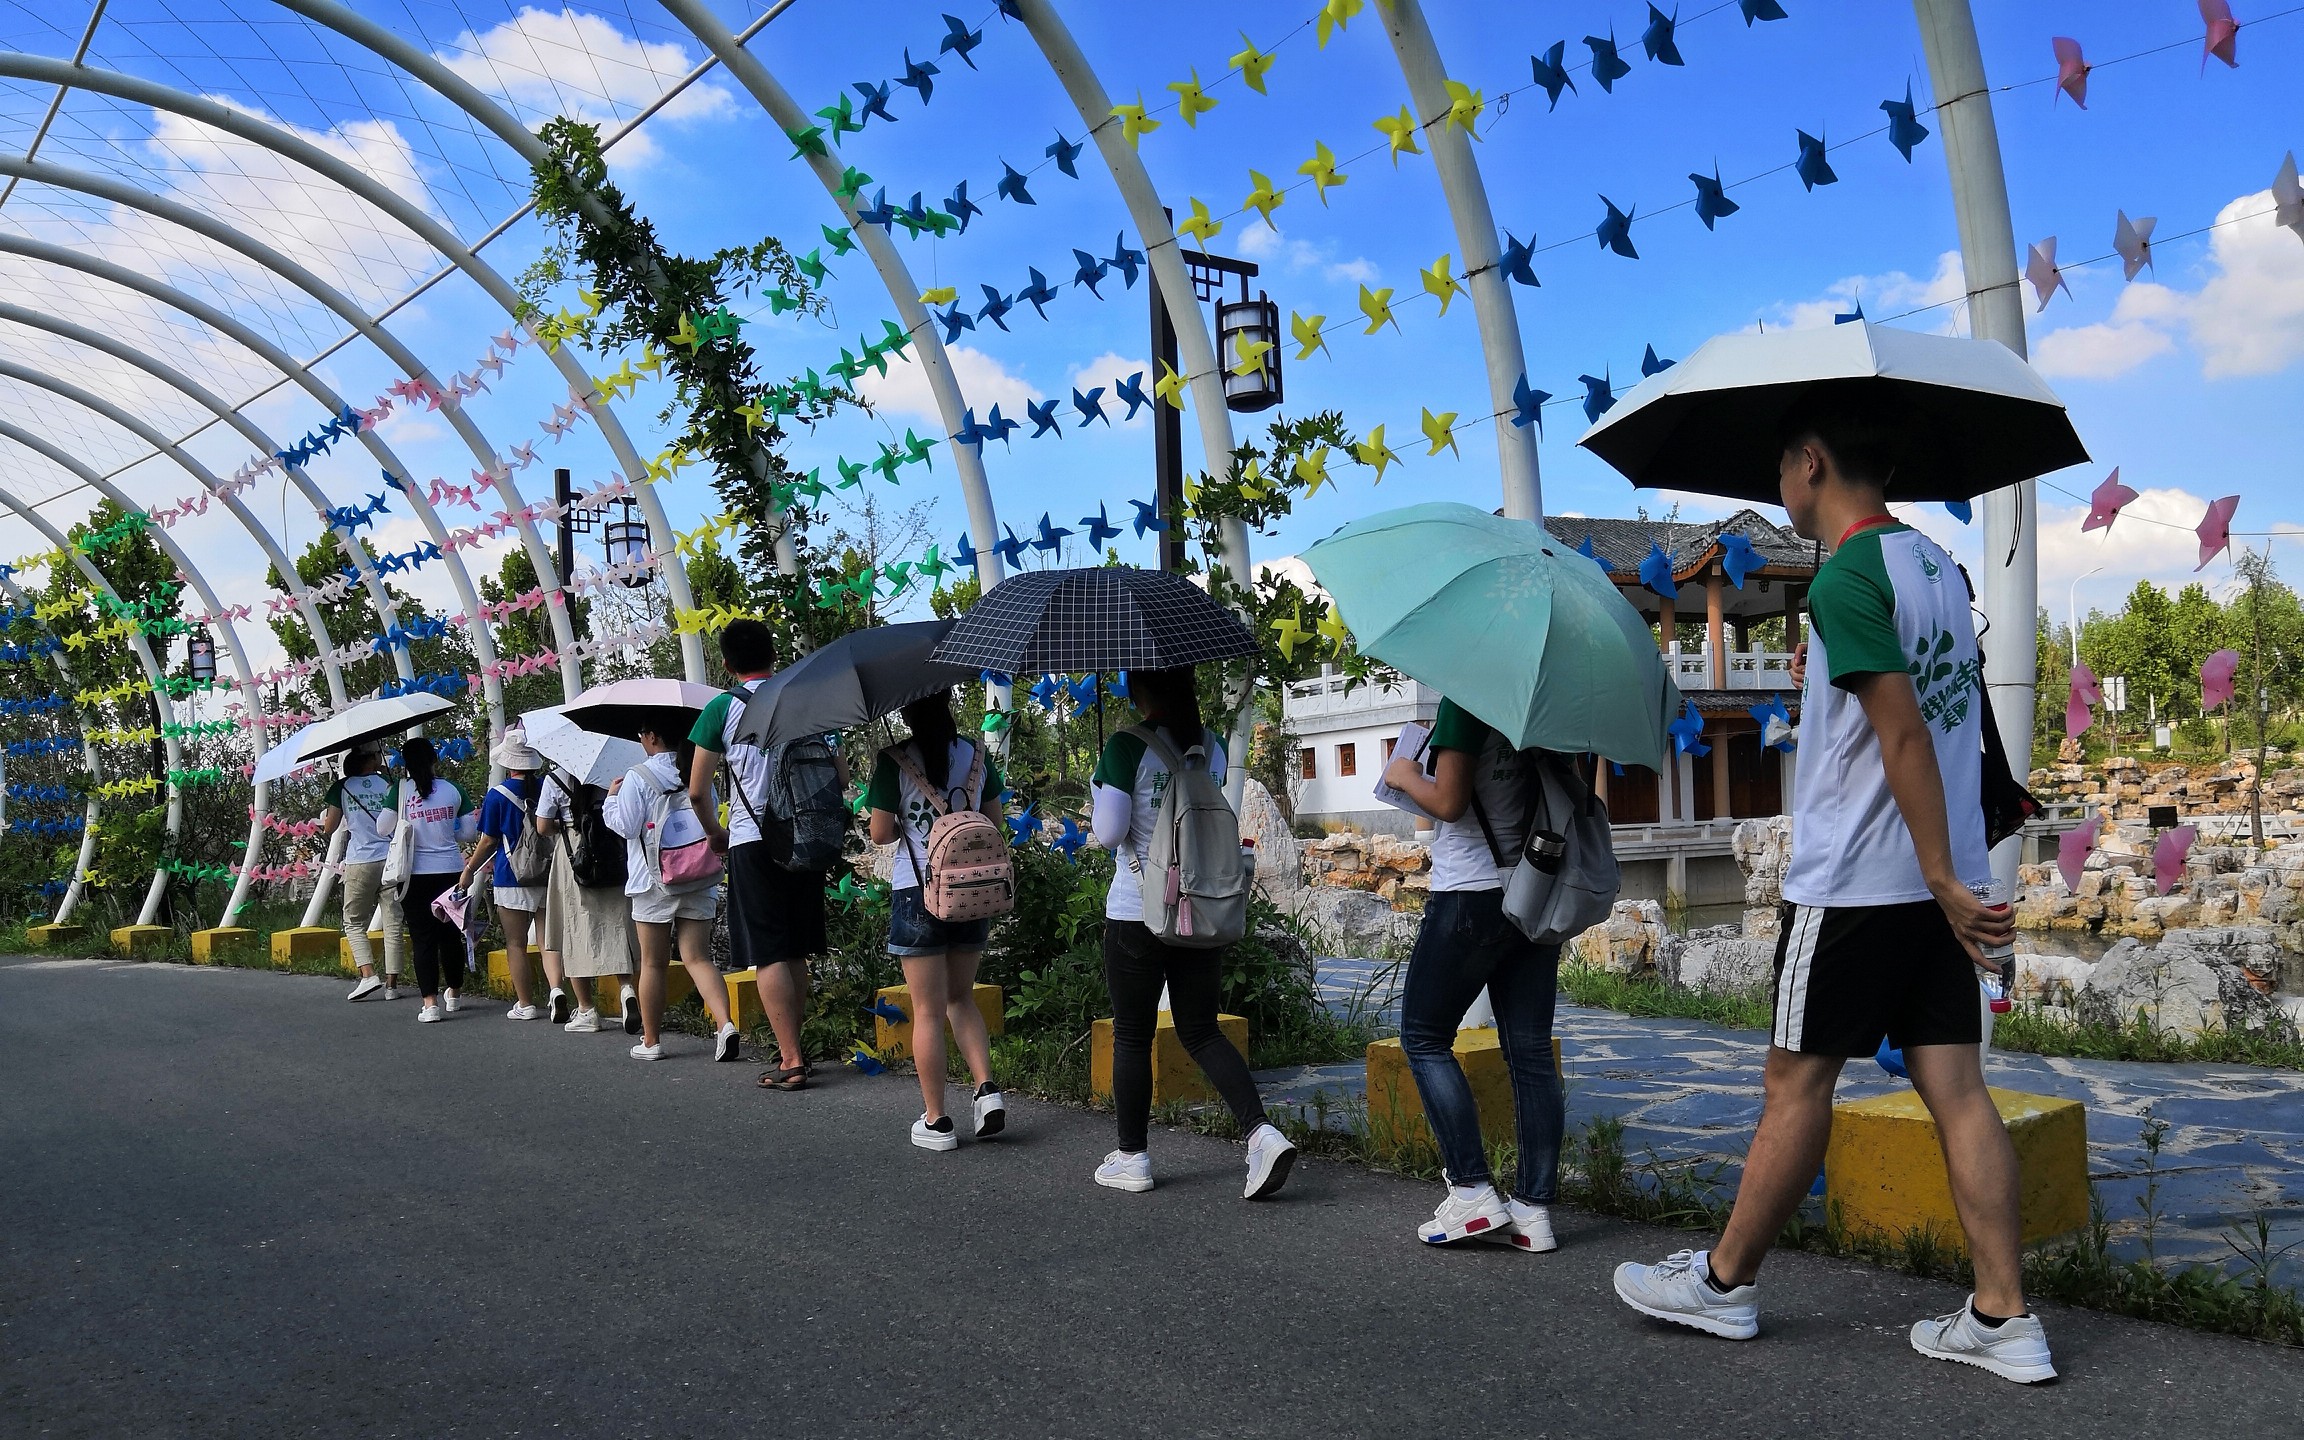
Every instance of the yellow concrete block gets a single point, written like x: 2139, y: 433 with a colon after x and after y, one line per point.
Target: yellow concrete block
x: 375, y: 949
x: 234, y: 944
x: 1884, y: 1170
x: 1174, y: 1076
x: 744, y: 998
x: 141, y: 942
x: 304, y: 942
x: 50, y: 937
x: 893, y: 1038
x: 1396, y: 1110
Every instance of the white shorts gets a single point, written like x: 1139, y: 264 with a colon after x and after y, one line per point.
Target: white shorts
x: 659, y: 906
x: 529, y: 899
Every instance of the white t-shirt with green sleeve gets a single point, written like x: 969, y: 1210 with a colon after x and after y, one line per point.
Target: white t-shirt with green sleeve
x: 443, y: 820
x: 1888, y: 600
x: 362, y: 798
x: 1461, y: 857
x: 715, y: 730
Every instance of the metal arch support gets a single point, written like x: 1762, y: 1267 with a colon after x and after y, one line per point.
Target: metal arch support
x: 431, y: 232
x: 379, y: 599
x: 1460, y: 183
x: 70, y: 900
x: 120, y: 192
x: 185, y: 564
x: 1194, y: 343
x: 895, y: 276
x: 175, y: 379
x: 174, y: 822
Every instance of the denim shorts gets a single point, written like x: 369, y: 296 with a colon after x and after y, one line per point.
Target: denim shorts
x: 913, y: 931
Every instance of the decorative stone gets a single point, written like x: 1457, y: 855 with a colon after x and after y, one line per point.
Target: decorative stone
x: 1279, y: 855
x: 1396, y: 1119
x: 893, y: 1038
x: 1720, y: 964
x: 1353, y: 922
x: 305, y: 942
x: 226, y: 944
x: 1884, y: 1169
x: 1628, y: 942
x: 1174, y: 1075
x: 142, y: 942
x: 2176, y: 989
x: 1762, y: 848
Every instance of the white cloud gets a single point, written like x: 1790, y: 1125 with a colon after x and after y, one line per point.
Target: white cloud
x: 1259, y: 241
x: 984, y: 382
x: 546, y: 62
x: 1881, y: 295
x: 1103, y: 370
x: 2247, y: 318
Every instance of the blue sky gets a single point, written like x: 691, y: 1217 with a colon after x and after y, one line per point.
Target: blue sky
x: 2187, y: 379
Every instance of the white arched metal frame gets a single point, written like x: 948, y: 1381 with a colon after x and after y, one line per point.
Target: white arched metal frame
x: 70, y: 899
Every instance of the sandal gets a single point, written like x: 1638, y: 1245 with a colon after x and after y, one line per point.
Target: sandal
x: 784, y: 1079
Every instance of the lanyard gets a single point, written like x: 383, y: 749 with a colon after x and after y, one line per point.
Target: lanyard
x: 1869, y: 522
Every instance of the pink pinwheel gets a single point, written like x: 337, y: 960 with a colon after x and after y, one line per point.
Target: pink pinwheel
x: 2073, y: 849
x: 2223, y: 33
x: 2168, y: 854
x: 2071, y: 70
x: 2040, y: 269
x: 2216, y: 678
x: 2215, y: 529
x: 2105, y: 502
x: 2085, y: 693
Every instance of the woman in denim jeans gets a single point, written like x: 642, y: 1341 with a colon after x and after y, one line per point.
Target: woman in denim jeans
x: 939, y: 956
x: 1474, y: 793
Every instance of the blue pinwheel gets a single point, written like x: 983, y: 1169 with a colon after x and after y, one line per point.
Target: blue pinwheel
x: 1656, y: 572
x: 1687, y: 732
x: 1021, y: 828
x: 1100, y: 528
x: 1773, y: 710
x: 1737, y: 557
x: 1068, y: 840
x: 1090, y: 406
x: 1148, y: 517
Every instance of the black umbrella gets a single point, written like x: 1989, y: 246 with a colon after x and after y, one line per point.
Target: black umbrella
x: 1107, y: 618
x: 855, y: 679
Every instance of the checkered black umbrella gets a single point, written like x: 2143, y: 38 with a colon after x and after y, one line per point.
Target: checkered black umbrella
x: 1070, y: 622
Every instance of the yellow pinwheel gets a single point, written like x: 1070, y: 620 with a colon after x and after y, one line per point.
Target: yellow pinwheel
x: 1322, y: 168
x: 684, y: 333
x: 1289, y: 629
x: 1332, y: 630
x: 1400, y: 131
x: 1464, y: 106
x: 1201, y: 226
x: 1305, y: 330
x: 1133, y: 121
x: 1312, y: 469
x: 941, y: 295
x: 1373, y: 451
x: 1441, y: 431
x: 1438, y: 281
x: 1191, y: 102
x: 1263, y: 199
x: 1252, y: 63
x: 1249, y: 354
x: 1377, y: 306
x: 1333, y: 17
x: 1170, y: 386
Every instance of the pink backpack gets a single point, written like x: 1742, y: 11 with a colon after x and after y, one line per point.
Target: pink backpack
x: 966, y: 872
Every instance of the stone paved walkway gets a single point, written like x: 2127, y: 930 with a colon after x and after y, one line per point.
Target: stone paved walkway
x: 1690, y: 1091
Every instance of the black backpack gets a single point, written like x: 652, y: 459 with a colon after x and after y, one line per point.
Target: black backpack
x: 596, y: 855
x: 804, y: 816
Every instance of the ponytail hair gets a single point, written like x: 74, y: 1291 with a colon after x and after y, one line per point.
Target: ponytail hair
x: 1170, y: 700
x: 420, y: 760
x: 933, y: 730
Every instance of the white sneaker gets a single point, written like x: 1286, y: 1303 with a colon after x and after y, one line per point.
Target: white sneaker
x: 1675, y: 1289
x: 939, y: 1136
x: 991, y: 1113
x: 1465, y: 1217
x: 560, y: 1005
x: 2017, y: 1350
x: 1529, y: 1230
x: 448, y: 1000
x: 1270, y: 1158
x: 648, y: 1052
x: 523, y: 1012
x: 391, y: 991
x: 724, y: 1043
x: 368, y: 986
x: 1123, y: 1171
x: 428, y: 1014
x: 631, y: 1012
x: 584, y: 1022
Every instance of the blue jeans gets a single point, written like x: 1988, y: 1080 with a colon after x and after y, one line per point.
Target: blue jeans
x: 1466, y: 943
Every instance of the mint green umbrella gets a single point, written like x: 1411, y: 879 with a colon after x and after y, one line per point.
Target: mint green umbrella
x: 1503, y: 619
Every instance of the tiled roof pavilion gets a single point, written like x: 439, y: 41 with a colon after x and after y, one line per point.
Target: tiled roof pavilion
x: 1694, y: 548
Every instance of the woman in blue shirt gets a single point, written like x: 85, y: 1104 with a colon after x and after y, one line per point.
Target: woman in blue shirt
x: 506, y: 814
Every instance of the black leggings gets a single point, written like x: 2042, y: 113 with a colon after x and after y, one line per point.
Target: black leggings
x: 1135, y: 966
x: 433, y: 943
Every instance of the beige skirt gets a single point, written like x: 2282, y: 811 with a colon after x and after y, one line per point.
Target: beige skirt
x: 590, y: 929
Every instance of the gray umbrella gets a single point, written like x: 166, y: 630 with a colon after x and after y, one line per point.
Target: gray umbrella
x: 1112, y: 617
x: 855, y: 679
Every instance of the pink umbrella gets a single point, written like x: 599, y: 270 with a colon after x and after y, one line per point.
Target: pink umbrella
x: 625, y: 706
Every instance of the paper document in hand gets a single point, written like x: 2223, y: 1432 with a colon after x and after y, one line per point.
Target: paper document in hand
x: 1413, y: 738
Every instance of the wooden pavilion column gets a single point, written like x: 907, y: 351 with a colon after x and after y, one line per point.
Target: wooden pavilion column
x: 1720, y: 805
x: 1712, y: 627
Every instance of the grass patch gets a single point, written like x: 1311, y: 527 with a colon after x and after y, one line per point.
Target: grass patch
x: 2042, y: 1030
x: 1650, y: 997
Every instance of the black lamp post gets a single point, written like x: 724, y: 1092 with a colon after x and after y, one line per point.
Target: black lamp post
x: 1259, y: 321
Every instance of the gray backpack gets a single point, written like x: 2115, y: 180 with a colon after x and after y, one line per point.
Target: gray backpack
x: 1566, y: 877
x: 1195, y: 882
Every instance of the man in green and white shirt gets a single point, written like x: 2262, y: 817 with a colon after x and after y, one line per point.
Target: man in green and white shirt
x: 1883, y: 929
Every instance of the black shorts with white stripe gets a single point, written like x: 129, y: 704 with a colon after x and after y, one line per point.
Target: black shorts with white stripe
x: 1848, y: 977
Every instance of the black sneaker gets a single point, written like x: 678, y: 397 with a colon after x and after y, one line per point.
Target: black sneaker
x: 631, y: 1012
x: 991, y: 1111
x: 562, y: 1007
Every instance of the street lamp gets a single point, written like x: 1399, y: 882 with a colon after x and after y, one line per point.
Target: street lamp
x: 200, y: 655
x: 1257, y: 320
x: 2072, y: 612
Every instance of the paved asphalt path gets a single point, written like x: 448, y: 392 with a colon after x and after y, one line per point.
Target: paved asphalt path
x: 232, y: 1204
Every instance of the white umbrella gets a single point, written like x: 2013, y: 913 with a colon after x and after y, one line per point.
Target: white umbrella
x: 592, y: 758
x: 364, y: 721
x: 1979, y: 417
